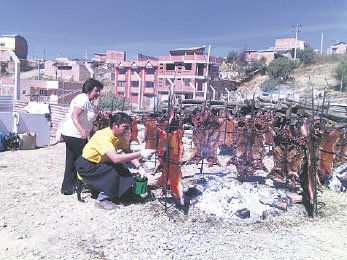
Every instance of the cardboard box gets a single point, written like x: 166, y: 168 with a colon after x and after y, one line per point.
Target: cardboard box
x: 27, y: 141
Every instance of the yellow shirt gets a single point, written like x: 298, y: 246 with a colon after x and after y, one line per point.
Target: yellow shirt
x: 100, y: 143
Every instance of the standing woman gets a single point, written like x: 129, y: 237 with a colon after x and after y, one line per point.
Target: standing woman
x: 75, y: 130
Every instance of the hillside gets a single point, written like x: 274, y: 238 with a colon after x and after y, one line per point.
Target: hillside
x: 320, y: 75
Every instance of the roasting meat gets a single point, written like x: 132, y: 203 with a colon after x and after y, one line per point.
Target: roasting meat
x: 150, y: 132
x: 175, y: 153
x: 288, y: 155
x: 249, y: 150
x: 226, y: 129
x: 134, y: 131
x: 327, y: 152
x: 101, y: 121
x: 341, y: 148
x: 205, y: 137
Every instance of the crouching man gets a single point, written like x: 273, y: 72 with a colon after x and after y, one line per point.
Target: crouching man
x: 101, y: 163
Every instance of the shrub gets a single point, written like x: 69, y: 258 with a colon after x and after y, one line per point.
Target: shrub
x: 307, y: 56
x: 269, y: 85
x: 108, y: 101
x: 281, y: 68
x: 341, y: 74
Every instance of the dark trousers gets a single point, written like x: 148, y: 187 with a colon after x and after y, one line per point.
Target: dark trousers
x: 74, y: 148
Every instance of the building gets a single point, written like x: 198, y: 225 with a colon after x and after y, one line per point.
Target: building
x: 136, y: 80
x: 15, y: 43
x: 184, y: 73
x: 283, y: 48
x: 44, y: 91
x: 110, y: 56
x: 187, y: 73
x: 338, y: 48
x: 67, y: 70
x: 289, y: 43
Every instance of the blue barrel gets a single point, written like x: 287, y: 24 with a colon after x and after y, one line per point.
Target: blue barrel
x: 1, y: 142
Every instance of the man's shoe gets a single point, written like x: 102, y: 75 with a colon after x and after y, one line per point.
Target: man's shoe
x: 106, y: 204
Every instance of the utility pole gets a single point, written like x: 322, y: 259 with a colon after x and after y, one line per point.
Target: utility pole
x: 208, y: 62
x: 321, y: 44
x: 296, y: 38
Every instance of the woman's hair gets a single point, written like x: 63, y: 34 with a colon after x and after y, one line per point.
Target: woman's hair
x: 120, y: 118
x: 90, y: 84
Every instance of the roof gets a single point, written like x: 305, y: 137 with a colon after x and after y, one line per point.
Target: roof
x: 181, y: 51
x: 136, y: 63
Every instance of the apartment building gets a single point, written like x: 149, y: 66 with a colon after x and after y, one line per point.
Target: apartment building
x: 15, y: 43
x: 136, y: 80
x: 187, y: 73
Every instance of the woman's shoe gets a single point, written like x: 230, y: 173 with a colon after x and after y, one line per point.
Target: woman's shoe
x: 67, y: 192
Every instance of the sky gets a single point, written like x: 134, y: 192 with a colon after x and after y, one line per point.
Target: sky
x: 80, y: 28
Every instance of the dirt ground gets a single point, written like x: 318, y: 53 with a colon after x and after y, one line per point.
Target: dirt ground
x: 37, y: 222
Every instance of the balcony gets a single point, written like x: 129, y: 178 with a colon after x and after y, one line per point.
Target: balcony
x: 135, y: 90
x: 149, y: 91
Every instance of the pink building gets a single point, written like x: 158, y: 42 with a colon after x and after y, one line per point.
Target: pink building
x: 187, y: 73
x: 47, y: 91
x: 109, y: 57
x: 136, y: 81
x: 283, y: 48
x: 67, y: 70
x: 338, y: 48
x: 290, y: 43
x: 184, y: 72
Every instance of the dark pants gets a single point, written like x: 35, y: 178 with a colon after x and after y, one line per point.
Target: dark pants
x: 112, y: 179
x: 74, y: 148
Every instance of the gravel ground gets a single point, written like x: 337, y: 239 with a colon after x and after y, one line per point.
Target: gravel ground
x: 37, y: 222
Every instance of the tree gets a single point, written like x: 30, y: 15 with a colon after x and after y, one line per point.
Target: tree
x: 281, y: 68
x: 108, y: 101
x: 341, y: 73
x: 307, y: 56
x: 255, y: 65
x: 232, y: 57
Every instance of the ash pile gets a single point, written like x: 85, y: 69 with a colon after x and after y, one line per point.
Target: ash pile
x: 235, y: 200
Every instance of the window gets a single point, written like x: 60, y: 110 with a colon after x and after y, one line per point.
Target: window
x: 188, y: 66
x: 170, y: 66
x: 188, y: 96
x: 200, y: 69
x: 134, y: 83
x: 186, y: 82
x: 200, y: 86
x: 149, y: 70
x: 43, y: 92
x: 149, y: 84
x: 121, y: 70
x: 133, y: 70
x: 24, y: 92
x: 2, y: 44
x: 55, y: 92
x: 121, y: 83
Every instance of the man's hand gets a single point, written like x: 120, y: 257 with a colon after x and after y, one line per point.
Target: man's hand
x: 147, y: 153
x: 142, y: 172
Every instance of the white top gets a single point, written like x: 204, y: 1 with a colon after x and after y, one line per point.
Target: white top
x: 86, y: 117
